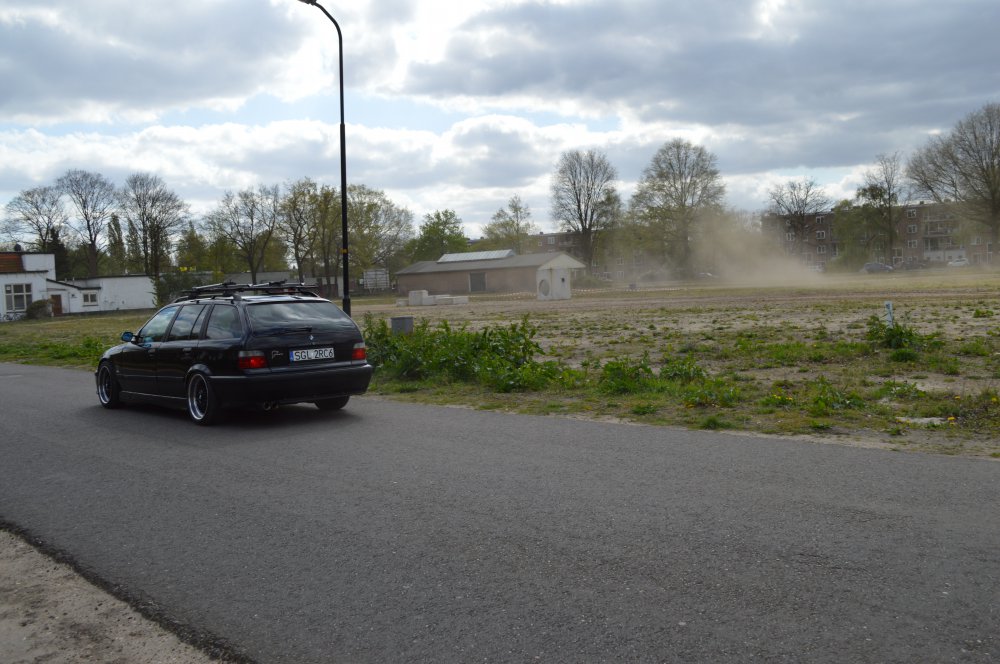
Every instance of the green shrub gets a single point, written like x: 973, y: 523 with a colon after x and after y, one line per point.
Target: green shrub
x: 626, y: 376
x: 683, y: 369
x: 501, y: 358
x: 904, y: 355
x: 826, y: 397
x: 38, y: 309
x: 892, y: 336
x: 711, y: 392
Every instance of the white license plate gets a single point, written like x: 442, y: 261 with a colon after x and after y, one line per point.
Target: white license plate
x: 311, y: 354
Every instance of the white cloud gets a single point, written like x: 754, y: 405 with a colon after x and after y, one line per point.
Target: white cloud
x: 462, y: 106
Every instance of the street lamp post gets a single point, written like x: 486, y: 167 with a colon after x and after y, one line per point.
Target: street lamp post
x: 345, y: 255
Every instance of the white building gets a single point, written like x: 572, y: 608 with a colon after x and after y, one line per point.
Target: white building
x: 28, y: 277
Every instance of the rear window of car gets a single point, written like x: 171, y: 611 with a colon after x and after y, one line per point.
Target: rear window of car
x: 277, y: 316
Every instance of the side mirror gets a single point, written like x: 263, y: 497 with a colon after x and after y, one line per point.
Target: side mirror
x: 127, y: 336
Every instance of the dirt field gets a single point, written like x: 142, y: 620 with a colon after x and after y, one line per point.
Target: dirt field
x: 958, y: 309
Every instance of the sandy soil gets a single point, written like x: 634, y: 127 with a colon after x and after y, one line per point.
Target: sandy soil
x: 50, y: 614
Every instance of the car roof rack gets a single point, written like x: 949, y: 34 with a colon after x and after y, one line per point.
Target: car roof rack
x: 233, y: 289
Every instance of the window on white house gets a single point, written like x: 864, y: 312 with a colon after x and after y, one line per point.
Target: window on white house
x: 552, y: 239
x: 90, y: 298
x: 17, y: 296
x: 911, y: 214
x: 912, y: 244
x: 821, y: 249
x: 911, y: 228
x: 820, y: 235
x: 821, y: 220
x: 620, y: 260
x: 789, y: 237
x: 619, y: 275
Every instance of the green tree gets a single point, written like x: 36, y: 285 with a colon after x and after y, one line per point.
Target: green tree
x: 327, y: 241
x: 117, y: 253
x: 679, y: 190
x: 584, y: 198
x: 223, y: 257
x: 963, y: 167
x: 510, y: 228
x: 853, y: 232
x: 192, y: 251
x: 440, y: 234
x: 380, y: 229
x: 298, y: 224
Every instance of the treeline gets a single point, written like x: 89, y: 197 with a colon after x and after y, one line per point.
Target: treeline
x: 677, y: 221
x: 94, y: 227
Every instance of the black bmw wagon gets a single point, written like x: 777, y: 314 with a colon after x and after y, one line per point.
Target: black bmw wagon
x: 229, y: 345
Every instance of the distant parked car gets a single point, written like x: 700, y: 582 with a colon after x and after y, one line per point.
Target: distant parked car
x: 236, y: 345
x: 959, y: 262
x: 872, y: 268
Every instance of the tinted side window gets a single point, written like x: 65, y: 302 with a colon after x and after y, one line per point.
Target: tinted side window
x: 184, y: 327
x: 224, y: 323
x: 156, y: 327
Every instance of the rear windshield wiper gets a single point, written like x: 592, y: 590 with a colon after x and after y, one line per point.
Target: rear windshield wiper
x: 287, y: 330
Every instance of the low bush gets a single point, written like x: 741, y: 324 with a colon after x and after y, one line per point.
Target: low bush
x: 501, y: 358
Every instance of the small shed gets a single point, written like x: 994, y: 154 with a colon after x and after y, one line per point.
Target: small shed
x: 491, y: 272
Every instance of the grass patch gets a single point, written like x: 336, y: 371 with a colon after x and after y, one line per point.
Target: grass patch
x: 765, y: 360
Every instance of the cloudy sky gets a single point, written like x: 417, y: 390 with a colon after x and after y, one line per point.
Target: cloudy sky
x: 461, y: 104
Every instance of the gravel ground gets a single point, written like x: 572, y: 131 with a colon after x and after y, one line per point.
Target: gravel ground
x: 49, y: 613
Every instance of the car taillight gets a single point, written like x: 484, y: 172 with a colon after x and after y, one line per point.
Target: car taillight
x: 251, y: 359
x: 359, y: 352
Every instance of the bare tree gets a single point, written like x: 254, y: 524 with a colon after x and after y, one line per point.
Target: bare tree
x: 248, y: 219
x: 584, y: 199
x: 798, y: 202
x: 39, y: 212
x: 94, y: 199
x: 511, y: 227
x: 964, y: 167
x: 879, y: 197
x: 153, y: 214
x: 679, y: 189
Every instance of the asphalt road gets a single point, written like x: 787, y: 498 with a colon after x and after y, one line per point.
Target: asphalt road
x: 399, y: 533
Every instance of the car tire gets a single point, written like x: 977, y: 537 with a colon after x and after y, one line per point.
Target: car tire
x: 202, y: 404
x: 332, y: 404
x: 108, y: 389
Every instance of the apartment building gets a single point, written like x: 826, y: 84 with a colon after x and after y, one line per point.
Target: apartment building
x: 926, y: 234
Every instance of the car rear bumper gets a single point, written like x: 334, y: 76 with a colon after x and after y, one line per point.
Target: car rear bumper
x: 297, y: 386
